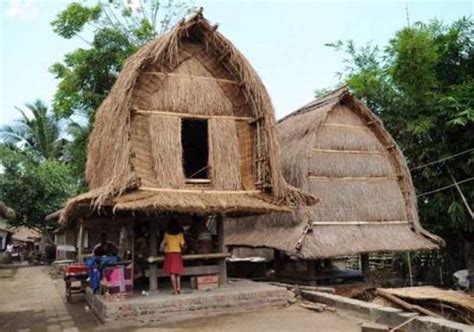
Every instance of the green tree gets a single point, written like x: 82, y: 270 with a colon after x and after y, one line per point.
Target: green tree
x: 38, y: 130
x: 87, y: 74
x: 34, y: 187
x: 422, y: 86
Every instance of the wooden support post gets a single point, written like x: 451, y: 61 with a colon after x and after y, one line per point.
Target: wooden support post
x: 410, y: 273
x: 80, y: 240
x: 277, y: 263
x: 365, y: 265
x: 153, y: 252
x: 221, y: 249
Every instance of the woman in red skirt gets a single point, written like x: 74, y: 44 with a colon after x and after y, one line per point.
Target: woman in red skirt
x: 173, y: 264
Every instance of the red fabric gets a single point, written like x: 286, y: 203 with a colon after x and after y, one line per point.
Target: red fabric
x: 173, y: 263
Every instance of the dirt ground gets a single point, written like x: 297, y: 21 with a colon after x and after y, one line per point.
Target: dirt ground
x: 30, y: 300
x: 292, y: 318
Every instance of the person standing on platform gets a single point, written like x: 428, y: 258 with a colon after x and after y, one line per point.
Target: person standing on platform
x: 174, y: 245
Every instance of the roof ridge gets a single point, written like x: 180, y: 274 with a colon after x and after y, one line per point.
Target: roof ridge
x: 323, y: 100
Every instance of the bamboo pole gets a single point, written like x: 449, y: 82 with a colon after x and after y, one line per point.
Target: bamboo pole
x: 468, y: 207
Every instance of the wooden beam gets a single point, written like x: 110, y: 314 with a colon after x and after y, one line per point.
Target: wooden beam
x: 209, y: 78
x: 192, y: 116
x: 354, y: 178
x: 153, y: 252
x: 200, y: 191
x: 347, y: 151
x: 221, y: 249
x: 360, y: 223
x: 219, y: 255
x: 340, y: 125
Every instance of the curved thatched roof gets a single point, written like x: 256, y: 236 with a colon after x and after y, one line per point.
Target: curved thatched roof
x: 192, y: 69
x: 6, y: 212
x: 337, y: 149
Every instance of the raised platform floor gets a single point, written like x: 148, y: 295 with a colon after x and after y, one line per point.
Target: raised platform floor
x: 164, y: 307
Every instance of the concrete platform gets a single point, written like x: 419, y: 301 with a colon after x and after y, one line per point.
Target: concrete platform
x: 163, y: 307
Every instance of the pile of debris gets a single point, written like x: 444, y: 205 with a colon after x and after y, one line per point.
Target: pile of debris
x: 430, y: 301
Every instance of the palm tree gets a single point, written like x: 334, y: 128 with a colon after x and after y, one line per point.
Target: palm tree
x: 38, y: 130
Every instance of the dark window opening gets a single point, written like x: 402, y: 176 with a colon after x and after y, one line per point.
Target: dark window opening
x: 194, y: 138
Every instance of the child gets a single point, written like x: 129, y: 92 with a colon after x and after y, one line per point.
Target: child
x: 173, y: 264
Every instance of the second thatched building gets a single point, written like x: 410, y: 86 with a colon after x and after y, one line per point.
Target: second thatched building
x: 338, y: 150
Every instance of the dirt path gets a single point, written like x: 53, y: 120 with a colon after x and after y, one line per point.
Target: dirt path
x: 31, y: 301
x: 294, y: 319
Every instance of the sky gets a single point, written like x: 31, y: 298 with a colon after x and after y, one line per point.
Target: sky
x: 283, y: 40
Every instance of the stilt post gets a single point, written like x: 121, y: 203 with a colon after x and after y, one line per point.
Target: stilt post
x: 221, y: 249
x: 153, y: 253
x: 365, y: 265
x: 410, y: 273
x: 80, y: 240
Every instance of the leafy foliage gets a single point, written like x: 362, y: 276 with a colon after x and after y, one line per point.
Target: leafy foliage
x: 34, y: 187
x: 422, y: 86
x: 37, y: 130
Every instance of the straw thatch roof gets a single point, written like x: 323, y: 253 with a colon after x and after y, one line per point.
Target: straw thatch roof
x: 25, y: 234
x: 135, y: 147
x: 337, y: 149
x: 6, y: 212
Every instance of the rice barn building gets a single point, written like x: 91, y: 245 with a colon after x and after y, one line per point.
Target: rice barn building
x: 338, y: 150
x: 187, y: 129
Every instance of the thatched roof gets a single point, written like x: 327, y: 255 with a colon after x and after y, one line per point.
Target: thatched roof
x: 191, y: 71
x: 337, y: 149
x: 6, y: 212
x: 25, y: 234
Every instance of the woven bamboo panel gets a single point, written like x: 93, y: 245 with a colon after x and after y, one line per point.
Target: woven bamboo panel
x: 246, y: 146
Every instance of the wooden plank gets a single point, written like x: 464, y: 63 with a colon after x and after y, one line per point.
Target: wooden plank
x: 198, y: 181
x: 405, y: 305
x: 192, y: 257
x: 192, y: 116
x: 194, y: 270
